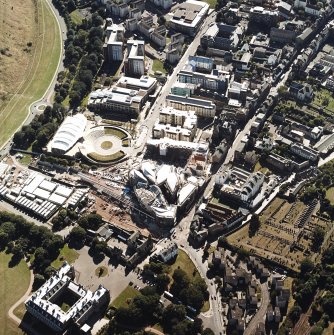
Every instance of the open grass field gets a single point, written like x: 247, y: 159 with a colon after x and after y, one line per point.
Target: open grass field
x: 185, y: 263
x: 14, y: 283
x: 158, y: 66
x: 125, y: 297
x: 330, y: 195
x: 66, y: 254
x: 280, y: 238
x: 76, y: 16
x: 211, y: 3
x: 30, y: 40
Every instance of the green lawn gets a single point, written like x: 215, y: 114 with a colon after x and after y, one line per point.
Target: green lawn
x: 26, y: 159
x: 330, y: 195
x: 158, y: 66
x: 185, y: 263
x: 211, y: 3
x: 66, y: 254
x: 101, y: 271
x: 125, y: 297
x: 14, y: 283
x: 206, y: 306
x: 38, y: 75
x: 115, y: 132
x: 106, y: 158
x: 321, y: 96
x: 76, y: 17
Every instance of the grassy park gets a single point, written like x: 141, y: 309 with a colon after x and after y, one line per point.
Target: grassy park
x: 14, y: 283
x: 30, y: 69
x: 158, y: 66
x: 66, y: 254
x: 185, y: 263
x: 330, y: 195
x: 125, y: 297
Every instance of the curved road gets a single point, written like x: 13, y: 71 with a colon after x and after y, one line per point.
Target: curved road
x: 46, y: 98
x: 261, y: 313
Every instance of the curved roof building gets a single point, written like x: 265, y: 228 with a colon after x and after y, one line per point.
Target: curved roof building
x: 70, y: 131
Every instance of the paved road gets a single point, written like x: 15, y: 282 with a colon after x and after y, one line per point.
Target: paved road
x: 260, y: 314
x: 212, y: 318
x: 46, y: 99
x: 160, y: 101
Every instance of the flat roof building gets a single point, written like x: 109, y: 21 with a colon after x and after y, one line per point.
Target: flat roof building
x: 203, y: 108
x: 114, y: 43
x: 117, y: 99
x: 188, y: 16
x: 135, y: 62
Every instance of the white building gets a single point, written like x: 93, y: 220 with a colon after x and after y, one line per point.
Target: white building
x: 135, y: 62
x: 304, y: 152
x: 69, y: 132
x: 239, y: 184
x: 175, y: 124
x: 169, y: 252
x: 44, y: 304
x: 117, y: 99
x: 114, y: 45
x: 203, y: 108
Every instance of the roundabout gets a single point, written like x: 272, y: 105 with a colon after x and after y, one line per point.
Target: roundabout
x: 106, y: 144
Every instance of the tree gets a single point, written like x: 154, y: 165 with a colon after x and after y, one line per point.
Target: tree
x: 3, y: 239
x: 90, y: 221
x: 306, y: 266
x: 316, y: 330
x: 181, y: 281
x: 317, y: 238
x: 162, y: 281
x: 208, y: 331
x: 295, y: 313
x: 254, y: 224
x: 38, y: 281
x: 172, y: 315
x: 78, y: 235
x: 9, y: 229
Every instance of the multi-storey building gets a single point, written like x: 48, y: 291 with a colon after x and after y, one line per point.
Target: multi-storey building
x: 202, y: 108
x: 135, y: 62
x: 114, y: 45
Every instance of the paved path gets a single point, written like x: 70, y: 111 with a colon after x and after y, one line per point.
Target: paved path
x: 21, y: 300
x: 154, y: 331
x: 260, y: 314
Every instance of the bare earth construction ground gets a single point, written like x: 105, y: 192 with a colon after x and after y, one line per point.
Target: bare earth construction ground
x: 29, y: 53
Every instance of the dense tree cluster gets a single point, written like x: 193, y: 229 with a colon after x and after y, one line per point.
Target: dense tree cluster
x: 83, y: 53
x: 192, y: 293
x: 146, y: 309
x: 64, y: 218
x: 317, y: 189
x: 314, y: 286
x: 23, y: 238
x: 157, y: 272
x: 41, y: 129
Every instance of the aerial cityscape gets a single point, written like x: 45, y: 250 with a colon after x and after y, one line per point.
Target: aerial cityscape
x: 167, y: 167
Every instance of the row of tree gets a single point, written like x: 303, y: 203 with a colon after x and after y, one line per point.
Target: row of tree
x: 41, y: 129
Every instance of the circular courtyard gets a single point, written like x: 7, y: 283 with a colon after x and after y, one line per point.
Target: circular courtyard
x: 106, y: 144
